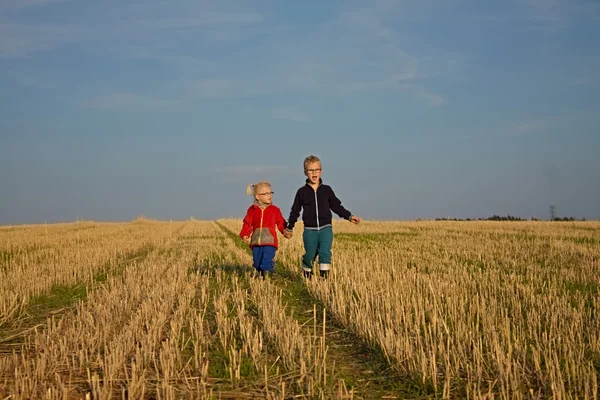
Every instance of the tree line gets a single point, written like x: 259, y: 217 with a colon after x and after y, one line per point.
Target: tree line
x: 508, y: 218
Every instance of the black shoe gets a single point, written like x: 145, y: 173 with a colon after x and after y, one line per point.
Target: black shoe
x: 324, y: 274
x: 307, y: 274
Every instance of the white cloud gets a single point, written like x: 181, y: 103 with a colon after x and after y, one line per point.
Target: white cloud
x: 532, y: 126
x: 357, y: 52
x: 527, y: 127
x: 22, y: 40
x: 583, y: 81
x: 348, y: 55
x: 140, y: 25
x: 125, y: 101
x: 552, y: 15
x: 546, y: 10
x: 432, y: 99
x: 251, y: 169
x: 253, y: 173
x: 291, y: 114
x: 21, y: 4
x: 34, y: 82
x: 206, y: 19
x: 217, y: 88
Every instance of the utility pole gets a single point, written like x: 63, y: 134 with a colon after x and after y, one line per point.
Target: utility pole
x: 552, y: 213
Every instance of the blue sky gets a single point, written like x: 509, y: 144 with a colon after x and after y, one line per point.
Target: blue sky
x: 431, y: 108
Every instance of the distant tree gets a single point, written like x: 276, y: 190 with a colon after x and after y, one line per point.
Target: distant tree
x: 496, y: 217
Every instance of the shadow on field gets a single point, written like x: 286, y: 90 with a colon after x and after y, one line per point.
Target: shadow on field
x: 240, y: 270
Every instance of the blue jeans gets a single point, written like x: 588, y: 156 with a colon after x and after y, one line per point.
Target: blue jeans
x: 317, y: 243
x: 263, y: 258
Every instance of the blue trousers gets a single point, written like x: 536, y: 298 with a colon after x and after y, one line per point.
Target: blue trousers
x: 263, y: 258
x: 317, y: 243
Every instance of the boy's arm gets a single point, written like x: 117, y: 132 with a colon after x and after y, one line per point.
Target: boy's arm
x: 247, y: 225
x: 294, y: 212
x: 336, y: 206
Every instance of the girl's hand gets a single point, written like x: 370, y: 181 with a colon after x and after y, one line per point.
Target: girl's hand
x: 287, y: 234
x: 246, y: 239
x: 355, y: 220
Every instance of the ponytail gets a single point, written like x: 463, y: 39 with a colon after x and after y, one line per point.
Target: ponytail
x: 252, y: 188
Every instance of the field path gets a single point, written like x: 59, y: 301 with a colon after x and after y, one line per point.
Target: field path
x: 360, y: 370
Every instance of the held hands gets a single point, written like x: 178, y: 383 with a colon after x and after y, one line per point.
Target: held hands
x: 355, y: 220
x: 288, y: 234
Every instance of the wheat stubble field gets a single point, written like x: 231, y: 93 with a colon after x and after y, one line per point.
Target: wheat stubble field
x: 170, y: 310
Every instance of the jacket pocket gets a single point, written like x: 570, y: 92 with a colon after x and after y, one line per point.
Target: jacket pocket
x: 262, y: 236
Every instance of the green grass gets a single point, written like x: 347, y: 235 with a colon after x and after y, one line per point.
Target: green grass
x: 533, y: 238
x: 61, y: 297
x: 596, y: 362
x: 520, y: 237
x: 83, y: 228
x: 218, y: 366
x: 218, y: 261
x: 8, y: 254
x: 368, y: 238
x: 584, y: 240
x: 591, y: 288
x: 5, y: 257
x: 4, y: 229
x: 586, y: 228
x: 193, y: 239
x: 40, y: 307
x: 219, y: 358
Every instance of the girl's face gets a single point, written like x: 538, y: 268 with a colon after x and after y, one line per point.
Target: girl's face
x: 264, y: 194
x: 313, y: 172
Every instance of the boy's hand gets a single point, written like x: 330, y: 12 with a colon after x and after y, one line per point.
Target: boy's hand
x: 288, y: 234
x: 246, y: 239
x: 355, y: 220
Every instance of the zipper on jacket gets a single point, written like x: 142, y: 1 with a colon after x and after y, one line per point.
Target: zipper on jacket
x: 262, y: 213
x: 317, y: 207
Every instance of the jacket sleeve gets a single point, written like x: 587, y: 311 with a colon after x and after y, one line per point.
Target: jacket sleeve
x: 295, y: 211
x: 280, y: 221
x: 336, y: 206
x: 247, y: 225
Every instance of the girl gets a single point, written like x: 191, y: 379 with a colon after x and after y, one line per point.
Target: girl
x: 259, y: 227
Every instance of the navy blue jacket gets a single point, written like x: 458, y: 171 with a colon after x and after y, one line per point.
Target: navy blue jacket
x: 317, y: 206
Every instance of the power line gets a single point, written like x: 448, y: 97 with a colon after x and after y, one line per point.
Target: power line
x: 552, y: 213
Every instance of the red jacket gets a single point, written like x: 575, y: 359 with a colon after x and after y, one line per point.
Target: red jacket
x: 261, y: 224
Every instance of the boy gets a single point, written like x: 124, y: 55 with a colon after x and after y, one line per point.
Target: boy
x: 317, y: 201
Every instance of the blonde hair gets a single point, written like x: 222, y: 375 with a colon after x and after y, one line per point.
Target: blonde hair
x: 252, y: 188
x: 311, y: 159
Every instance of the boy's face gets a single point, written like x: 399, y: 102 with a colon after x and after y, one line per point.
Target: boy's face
x: 313, y: 172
